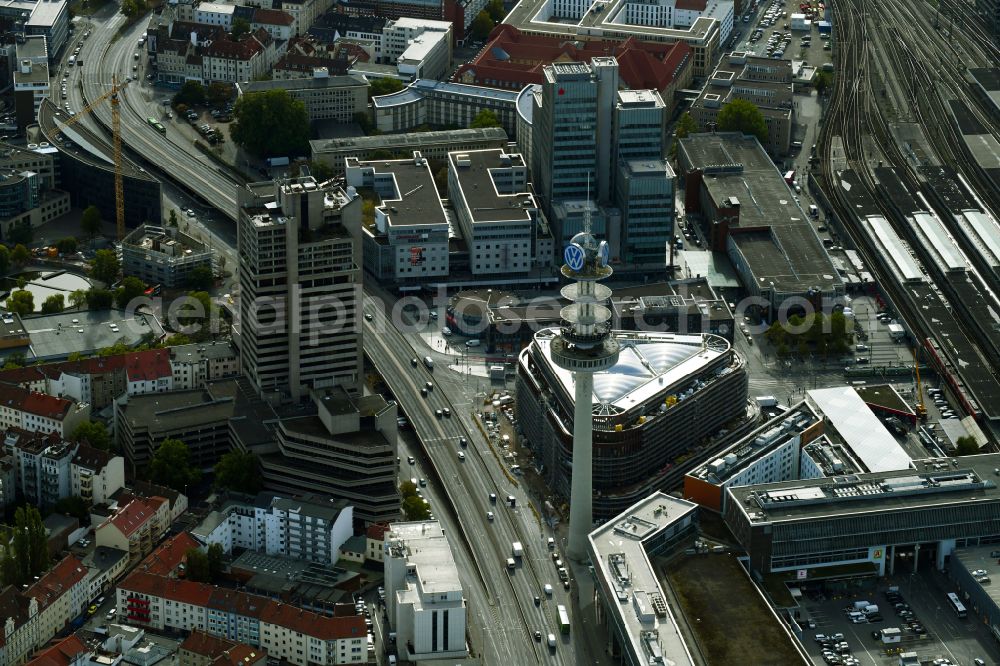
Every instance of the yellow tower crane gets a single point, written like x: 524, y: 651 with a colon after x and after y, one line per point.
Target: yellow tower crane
x: 116, y: 142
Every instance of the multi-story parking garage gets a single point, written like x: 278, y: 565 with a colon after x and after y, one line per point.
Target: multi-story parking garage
x: 666, y: 394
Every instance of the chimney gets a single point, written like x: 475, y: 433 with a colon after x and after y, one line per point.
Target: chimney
x: 26, y: 66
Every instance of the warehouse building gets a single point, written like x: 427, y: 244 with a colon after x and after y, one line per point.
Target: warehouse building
x: 749, y: 212
x: 667, y: 394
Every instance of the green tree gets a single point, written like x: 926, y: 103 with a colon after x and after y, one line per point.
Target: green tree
x: 966, y: 446
x: 215, y: 563
x: 414, y: 508
x: 20, y: 255
x: 4, y: 259
x: 171, y: 465
x: 13, y: 361
x: 90, y: 223
x: 686, y: 125
x: 365, y: 122
x: 21, y: 232
x: 53, y: 304
x: 92, y: 433
x: 482, y: 25
x: 100, y: 299
x: 172, y: 220
x: 240, y: 27
x: 271, y: 123
x: 8, y: 568
x: 496, y: 10
x: 105, y: 266
x: 384, y: 86
x: 78, y: 298
x: 320, y: 170
x: 485, y: 118
x: 192, y: 93
x: 743, y: 116
x: 74, y: 506
x: 219, y: 93
x: 130, y: 288
x: 133, y: 8
x: 200, y: 278
x: 238, y: 471
x: 66, y: 245
x: 407, y: 489
x: 29, y: 546
x: 441, y: 180
x: 22, y: 302
x: 823, y: 81
x: 196, y: 566
x: 176, y: 340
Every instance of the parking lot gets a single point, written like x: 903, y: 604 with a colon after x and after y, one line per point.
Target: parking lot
x: 927, y: 624
x: 769, y: 33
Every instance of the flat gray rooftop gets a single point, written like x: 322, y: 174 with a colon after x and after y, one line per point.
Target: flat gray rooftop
x: 479, y: 190
x: 423, y: 544
x: 409, y: 141
x: 310, y: 83
x: 416, y: 201
x: 56, y: 336
x: 774, y: 233
x: 618, y: 555
x: 934, y: 482
x: 173, y: 410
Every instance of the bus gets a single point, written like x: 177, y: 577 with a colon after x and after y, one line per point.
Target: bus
x: 563, y: 619
x: 157, y: 125
x: 956, y: 605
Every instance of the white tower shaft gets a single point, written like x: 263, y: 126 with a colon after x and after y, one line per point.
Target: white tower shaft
x: 581, y: 512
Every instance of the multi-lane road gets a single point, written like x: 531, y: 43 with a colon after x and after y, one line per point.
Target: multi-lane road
x: 502, y: 612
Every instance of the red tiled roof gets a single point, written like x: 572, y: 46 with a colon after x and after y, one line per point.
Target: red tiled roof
x: 148, y: 365
x: 312, y: 624
x: 377, y: 531
x: 245, y: 49
x: 642, y: 64
x: 58, y: 581
x: 200, y: 642
x: 134, y: 515
x: 164, y: 560
x: 45, y: 405
x: 240, y: 655
x: 272, y: 17
x: 60, y: 654
x: 185, y: 591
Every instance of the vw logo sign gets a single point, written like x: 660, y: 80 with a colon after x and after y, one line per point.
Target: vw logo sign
x: 604, y: 253
x: 574, y: 256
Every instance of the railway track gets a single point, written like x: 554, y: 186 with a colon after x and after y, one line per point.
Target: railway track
x: 856, y: 136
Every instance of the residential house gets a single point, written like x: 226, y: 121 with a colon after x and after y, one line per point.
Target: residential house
x: 70, y: 651
x: 61, y: 595
x: 195, y: 364
x: 107, y: 565
x: 135, y: 527
x: 43, y: 465
x: 38, y: 412
x: 96, y: 475
x: 202, y: 649
x: 280, y: 25
x: 246, y: 59
x: 375, y: 541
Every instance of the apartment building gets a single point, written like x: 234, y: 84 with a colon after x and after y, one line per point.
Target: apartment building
x: 202, y: 649
x: 43, y: 465
x: 299, y: 256
x: 285, y: 632
x: 281, y: 26
x: 135, y: 527
x: 194, y: 365
x: 96, y: 475
x: 325, y: 97
x: 765, y: 82
x: 38, y: 412
x: 214, y: 13
x: 296, y: 528
x: 60, y: 595
x: 230, y: 61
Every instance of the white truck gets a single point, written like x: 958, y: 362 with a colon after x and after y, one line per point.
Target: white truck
x: 870, y: 609
x: 860, y: 605
x: 892, y: 635
x: 516, y: 549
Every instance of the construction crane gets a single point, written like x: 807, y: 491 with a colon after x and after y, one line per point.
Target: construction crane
x: 921, y: 408
x: 116, y: 142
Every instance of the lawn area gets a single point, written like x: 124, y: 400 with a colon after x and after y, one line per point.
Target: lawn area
x: 730, y: 620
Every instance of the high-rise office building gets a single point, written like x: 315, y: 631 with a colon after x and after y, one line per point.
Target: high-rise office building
x: 300, y: 285
x: 598, y: 152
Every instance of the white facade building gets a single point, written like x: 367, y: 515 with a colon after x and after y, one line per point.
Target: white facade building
x: 424, y: 597
x: 498, y: 214
x: 214, y: 13
x: 279, y: 526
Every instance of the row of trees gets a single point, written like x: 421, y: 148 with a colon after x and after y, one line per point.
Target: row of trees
x: 27, y: 552
x: 414, y: 507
